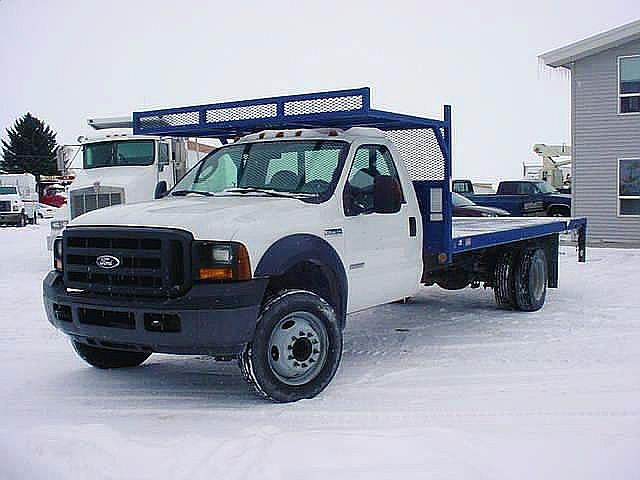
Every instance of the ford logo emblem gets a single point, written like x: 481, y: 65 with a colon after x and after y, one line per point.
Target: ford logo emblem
x: 107, y: 261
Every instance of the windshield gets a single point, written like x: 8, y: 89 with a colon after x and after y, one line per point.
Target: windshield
x: 8, y: 190
x: 117, y: 154
x: 308, y: 168
x: 460, y: 201
x: 544, y: 187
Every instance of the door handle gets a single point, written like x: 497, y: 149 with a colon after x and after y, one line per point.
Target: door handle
x: 413, y: 228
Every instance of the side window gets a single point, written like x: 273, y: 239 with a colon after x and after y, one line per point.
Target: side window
x: 526, y: 188
x: 369, y: 162
x: 508, y: 188
x: 163, y: 154
x: 460, y: 187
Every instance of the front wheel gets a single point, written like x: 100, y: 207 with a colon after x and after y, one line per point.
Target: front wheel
x: 107, y: 358
x: 296, y: 349
x: 22, y: 220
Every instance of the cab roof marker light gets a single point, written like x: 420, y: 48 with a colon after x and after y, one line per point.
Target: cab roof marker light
x: 279, y: 134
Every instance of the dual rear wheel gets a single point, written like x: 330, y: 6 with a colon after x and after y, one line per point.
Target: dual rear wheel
x: 520, y: 281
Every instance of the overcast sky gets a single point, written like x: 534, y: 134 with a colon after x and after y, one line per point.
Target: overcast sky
x: 66, y: 61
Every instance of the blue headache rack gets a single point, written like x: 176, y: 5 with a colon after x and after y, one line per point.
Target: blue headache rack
x: 424, y: 143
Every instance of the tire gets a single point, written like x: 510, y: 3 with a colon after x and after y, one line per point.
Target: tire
x: 558, y: 212
x: 503, y: 281
x: 106, y: 358
x: 531, y: 280
x: 21, y: 221
x: 296, y: 349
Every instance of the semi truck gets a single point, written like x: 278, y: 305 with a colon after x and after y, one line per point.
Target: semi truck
x: 18, y: 199
x: 315, y: 207
x: 118, y: 167
x: 521, y: 198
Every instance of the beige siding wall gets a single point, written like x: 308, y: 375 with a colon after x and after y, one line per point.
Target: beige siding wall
x: 600, y: 138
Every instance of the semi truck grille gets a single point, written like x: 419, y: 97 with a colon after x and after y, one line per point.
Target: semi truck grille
x: 5, y: 206
x: 87, y: 199
x: 127, y: 261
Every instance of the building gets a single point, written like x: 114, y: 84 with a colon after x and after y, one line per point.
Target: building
x: 605, y: 131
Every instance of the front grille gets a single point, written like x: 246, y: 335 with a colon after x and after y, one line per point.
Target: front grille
x: 150, y: 261
x: 87, y: 199
x: 5, y: 206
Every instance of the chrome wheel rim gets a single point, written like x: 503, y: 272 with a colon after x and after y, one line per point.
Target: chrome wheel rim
x: 297, y: 348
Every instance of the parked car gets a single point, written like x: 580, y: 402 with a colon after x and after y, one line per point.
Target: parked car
x: 463, y: 207
x: 45, y: 211
x: 522, y: 198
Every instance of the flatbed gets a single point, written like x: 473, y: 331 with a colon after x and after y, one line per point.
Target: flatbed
x: 474, y: 233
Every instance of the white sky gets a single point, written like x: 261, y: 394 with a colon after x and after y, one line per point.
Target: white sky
x: 66, y: 61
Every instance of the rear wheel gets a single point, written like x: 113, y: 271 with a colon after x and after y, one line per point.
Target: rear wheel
x: 503, y: 281
x: 531, y: 280
x: 296, y: 349
x: 22, y: 220
x: 107, y: 358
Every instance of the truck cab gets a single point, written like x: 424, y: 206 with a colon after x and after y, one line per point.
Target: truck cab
x: 121, y: 168
x: 18, y: 199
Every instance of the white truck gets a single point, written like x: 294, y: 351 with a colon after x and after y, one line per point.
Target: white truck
x: 118, y: 167
x: 18, y: 199
x: 323, y: 207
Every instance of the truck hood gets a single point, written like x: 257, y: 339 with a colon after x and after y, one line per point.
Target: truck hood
x: 207, y: 218
x: 110, y: 176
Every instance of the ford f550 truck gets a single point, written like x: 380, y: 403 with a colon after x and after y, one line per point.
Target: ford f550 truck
x: 320, y: 206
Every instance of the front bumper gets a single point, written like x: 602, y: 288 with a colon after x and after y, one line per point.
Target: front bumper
x: 213, y: 319
x: 10, y: 217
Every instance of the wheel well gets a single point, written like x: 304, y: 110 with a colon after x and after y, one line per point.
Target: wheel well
x: 559, y: 208
x: 314, y: 277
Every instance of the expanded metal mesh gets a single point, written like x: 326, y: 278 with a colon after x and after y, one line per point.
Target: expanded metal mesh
x: 248, y: 112
x: 322, y: 105
x: 421, y: 153
x: 170, y: 120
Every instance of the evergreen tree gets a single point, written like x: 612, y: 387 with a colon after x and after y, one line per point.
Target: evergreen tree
x: 31, y: 148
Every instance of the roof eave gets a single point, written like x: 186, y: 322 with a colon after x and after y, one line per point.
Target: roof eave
x: 564, y: 56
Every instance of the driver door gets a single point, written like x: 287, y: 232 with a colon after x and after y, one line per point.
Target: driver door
x: 379, y: 249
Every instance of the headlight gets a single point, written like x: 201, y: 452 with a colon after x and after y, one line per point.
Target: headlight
x: 57, y: 254
x: 220, y: 262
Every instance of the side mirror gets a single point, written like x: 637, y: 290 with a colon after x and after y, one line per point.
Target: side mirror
x: 161, y: 189
x: 387, y: 194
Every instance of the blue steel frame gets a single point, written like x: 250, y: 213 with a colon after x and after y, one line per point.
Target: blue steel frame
x: 252, y: 116
x: 437, y: 229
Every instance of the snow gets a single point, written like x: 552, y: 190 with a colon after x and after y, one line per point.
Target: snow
x: 446, y: 386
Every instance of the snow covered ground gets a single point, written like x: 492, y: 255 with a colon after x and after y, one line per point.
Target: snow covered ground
x: 444, y: 387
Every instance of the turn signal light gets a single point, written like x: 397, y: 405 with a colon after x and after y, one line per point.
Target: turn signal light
x: 220, y: 273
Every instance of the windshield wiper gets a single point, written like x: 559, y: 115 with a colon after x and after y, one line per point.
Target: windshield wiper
x: 269, y: 192
x: 182, y: 193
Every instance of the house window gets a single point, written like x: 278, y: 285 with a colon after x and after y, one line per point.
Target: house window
x: 629, y: 186
x: 629, y: 84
